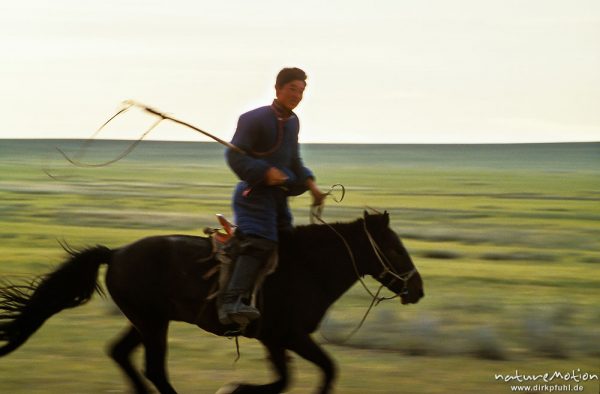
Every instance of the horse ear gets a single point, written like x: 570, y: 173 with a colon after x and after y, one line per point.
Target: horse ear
x: 365, y: 214
x: 386, y: 218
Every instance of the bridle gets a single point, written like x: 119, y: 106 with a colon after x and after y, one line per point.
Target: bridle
x: 387, y: 267
x: 316, y: 213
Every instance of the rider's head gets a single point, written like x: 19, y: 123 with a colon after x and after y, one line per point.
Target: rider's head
x: 289, y: 87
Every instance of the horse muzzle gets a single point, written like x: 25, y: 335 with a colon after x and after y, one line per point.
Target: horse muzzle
x: 411, y: 297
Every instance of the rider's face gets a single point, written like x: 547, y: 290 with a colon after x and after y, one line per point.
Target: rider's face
x: 290, y: 94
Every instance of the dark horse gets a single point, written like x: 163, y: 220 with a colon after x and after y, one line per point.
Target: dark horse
x: 163, y: 278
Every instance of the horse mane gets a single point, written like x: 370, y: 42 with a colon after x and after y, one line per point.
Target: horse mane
x: 306, y: 237
x: 325, y: 232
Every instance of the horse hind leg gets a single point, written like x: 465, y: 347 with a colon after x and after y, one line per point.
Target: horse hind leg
x: 121, y: 352
x: 154, y: 338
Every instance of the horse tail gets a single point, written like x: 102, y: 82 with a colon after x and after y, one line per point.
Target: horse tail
x: 24, y: 308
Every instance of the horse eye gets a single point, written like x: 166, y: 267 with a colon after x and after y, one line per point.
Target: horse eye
x: 394, y: 253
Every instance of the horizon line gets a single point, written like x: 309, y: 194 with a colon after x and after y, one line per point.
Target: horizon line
x: 315, y: 143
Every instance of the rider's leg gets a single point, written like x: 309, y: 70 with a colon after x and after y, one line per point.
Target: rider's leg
x: 254, y: 253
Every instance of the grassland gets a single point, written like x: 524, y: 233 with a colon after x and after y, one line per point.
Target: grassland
x: 506, y: 238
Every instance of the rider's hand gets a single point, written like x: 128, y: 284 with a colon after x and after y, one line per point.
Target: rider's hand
x: 274, y: 176
x: 317, y: 195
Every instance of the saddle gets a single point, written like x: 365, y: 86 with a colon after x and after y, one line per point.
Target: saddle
x: 224, y: 250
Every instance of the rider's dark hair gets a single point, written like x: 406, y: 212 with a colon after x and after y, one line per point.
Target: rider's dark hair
x: 288, y: 75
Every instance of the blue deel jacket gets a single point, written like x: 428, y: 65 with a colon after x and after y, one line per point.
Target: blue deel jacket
x: 258, y: 134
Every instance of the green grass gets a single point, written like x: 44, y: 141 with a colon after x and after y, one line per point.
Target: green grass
x: 505, y: 237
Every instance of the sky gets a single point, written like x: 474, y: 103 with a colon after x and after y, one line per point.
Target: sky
x: 387, y: 71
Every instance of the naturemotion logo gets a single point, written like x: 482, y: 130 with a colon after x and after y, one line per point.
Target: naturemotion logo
x: 556, y: 381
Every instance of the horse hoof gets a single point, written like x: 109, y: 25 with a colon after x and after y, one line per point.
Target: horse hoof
x: 228, y: 389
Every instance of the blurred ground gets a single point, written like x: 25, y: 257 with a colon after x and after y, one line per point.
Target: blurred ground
x: 505, y: 236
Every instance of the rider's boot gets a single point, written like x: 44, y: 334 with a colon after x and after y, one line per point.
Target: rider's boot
x: 235, y: 307
x: 235, y: 300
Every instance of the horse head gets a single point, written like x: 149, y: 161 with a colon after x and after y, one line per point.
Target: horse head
x: 391, y: 265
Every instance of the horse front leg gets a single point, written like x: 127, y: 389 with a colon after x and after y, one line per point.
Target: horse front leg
x: 308, y: 349
x: 278, y: 359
